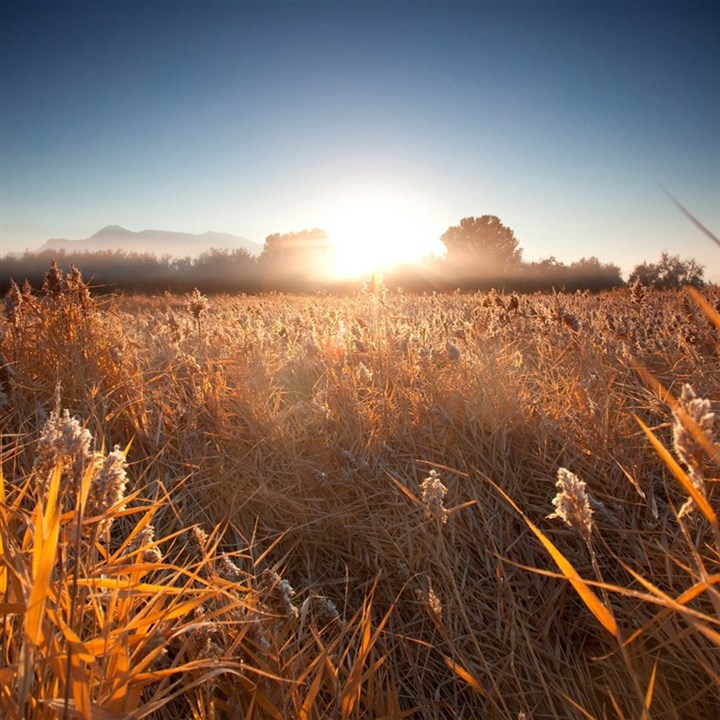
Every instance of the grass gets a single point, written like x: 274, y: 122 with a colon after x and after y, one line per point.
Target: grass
x: 338, y: 508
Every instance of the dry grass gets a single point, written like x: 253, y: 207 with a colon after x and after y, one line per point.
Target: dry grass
x: 393, y: 459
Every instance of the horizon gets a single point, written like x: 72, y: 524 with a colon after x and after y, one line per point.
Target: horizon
x: 566, y: 122
x: 346, y: 268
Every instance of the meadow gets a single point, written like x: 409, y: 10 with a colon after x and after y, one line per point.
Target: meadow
x: 378, y: 506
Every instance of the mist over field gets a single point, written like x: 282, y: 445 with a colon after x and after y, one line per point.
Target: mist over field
x: 477, y: 253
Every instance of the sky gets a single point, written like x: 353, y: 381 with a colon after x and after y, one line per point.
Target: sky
x: 568, y: 120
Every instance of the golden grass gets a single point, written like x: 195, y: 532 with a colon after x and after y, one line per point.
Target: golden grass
x: 282, y: 548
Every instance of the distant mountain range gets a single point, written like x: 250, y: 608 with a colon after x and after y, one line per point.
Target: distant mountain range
x: 157, y: 242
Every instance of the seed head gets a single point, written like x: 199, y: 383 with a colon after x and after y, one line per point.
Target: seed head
x: 433, y: 493
x: 145, y: 541
x: 63, y: 441
x: 278, y: 593
x: 687, y: 447
x: 198, y: 542
x: 197, y: 304
x: 77, y: 287
x: 686, y: 441
x: 572, y: 504
x: 325, y: 611
x: 365, y: 374
x: 54, y: 282
x: 12, y: 304
x: 434, y: 604
x: 638, y: 292
x: 107, y: 489
x: 228, y: 570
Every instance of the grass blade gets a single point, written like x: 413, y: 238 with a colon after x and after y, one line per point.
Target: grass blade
x: 712, y: 314
x: 649, y: 695
x: 680, y: 474
x: 592, y: 602
x: 463, y: 674
x: 47, y: 530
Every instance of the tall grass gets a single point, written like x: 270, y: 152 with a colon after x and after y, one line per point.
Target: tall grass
x: 317, y: 515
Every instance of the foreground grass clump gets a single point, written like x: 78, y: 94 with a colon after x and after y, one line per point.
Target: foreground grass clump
x: 98, y: 624
x: 317, y: 519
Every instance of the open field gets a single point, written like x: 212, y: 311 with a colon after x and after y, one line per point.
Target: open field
x: 305, y: 514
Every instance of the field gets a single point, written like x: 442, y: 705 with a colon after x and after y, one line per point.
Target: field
x: 319, y: 507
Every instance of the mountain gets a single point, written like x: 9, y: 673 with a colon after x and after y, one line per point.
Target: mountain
x: 158, y: 242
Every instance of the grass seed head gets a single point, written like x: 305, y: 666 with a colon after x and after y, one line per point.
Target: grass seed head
x: 197, y: 544
x: 434, y: 604
x: 107, y: 489
x: 278, y: 593
x: 144, y: 541
x: 572, y: 504
x: 638, y: 292
x: 433, y: 493
x: 197, y: 304
x: 325, y: 611
x: 77, y: 287
x: 687, y: 448
x: 228, y: 570
x: 53, y: 282
x: 63, y: 441
x: 12, y: 304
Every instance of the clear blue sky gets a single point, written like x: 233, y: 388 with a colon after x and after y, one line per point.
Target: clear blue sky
x: 562, y: 118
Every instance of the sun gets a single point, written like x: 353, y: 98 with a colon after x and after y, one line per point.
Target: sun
x: 373, y: 231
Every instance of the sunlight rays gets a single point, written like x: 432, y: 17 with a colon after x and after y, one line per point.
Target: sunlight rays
x: 374, y: 231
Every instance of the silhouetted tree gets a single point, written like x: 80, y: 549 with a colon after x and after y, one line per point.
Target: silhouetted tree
x: 290, y: 260
x: 295, y: 245
x: 670, y: 271
x: 548, y: 264
x: 544, y: 274
x: 224, y: 270
x: 484, y: 242
x: 591, y: 274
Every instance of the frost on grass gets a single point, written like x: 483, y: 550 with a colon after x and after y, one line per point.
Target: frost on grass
x: 572, y: 504
x: 108, y: 487
x: 433, y: 494
x: 687, y: 447
x: 278, y: 593
x: 686, y: 440
x: 65, y: 442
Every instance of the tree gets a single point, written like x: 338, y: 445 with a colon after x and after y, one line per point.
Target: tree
x: 223, y: 270
x: 295, y: 245
x: 295, y: 260
x: 670, y: 271
x: 591, y: 274
x: 546, y: 266
x: 483, y: 241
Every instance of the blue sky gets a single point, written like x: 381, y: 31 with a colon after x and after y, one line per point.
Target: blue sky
x: 565, y: 119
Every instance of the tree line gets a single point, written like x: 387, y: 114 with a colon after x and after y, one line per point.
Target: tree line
x: 481, y: 252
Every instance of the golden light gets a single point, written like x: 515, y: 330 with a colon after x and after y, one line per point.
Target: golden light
x: 373, y: 231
